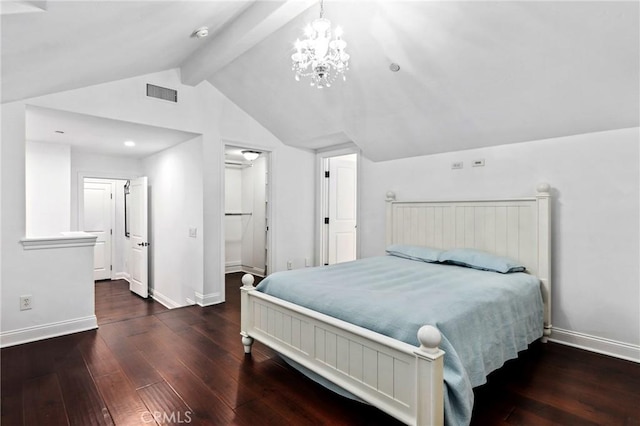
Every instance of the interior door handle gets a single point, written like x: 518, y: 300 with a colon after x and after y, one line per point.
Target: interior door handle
x: 143, y: 244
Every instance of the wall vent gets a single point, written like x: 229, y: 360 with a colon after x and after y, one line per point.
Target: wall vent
x: 162, y: 93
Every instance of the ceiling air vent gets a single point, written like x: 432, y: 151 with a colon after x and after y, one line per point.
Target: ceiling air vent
x: 162, y: 93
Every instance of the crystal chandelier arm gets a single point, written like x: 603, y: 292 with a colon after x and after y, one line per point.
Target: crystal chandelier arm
x: 318, y: 55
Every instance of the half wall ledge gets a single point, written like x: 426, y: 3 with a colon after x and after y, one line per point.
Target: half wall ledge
x: 65, y: 239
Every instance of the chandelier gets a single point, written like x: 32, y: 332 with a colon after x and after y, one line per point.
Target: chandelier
x: 318, y: 56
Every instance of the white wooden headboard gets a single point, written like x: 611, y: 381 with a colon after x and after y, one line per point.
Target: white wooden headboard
x: 519, y: 228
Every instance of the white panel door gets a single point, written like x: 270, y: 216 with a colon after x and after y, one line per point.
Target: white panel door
x: 342, y: 208
x: 138, y: 237
x: 97, y: 221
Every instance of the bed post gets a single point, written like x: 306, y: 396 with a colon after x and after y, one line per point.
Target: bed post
x: 544, y: 252
x: 429, y: 378
x: 247, y: 286
x: 391, y: 197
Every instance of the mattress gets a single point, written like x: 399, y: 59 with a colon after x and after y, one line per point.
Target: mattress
x: 485, y: 317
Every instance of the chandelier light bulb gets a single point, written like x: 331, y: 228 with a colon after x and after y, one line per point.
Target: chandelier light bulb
x: 318, y: 56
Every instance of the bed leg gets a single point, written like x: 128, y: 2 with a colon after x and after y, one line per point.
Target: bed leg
x: 247, y: 342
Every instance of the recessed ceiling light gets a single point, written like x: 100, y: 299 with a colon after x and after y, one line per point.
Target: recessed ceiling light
x: 129, y: 143
x: 394, y: 67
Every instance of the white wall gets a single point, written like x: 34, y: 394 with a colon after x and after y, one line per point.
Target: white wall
x: 596, y: 206
x: 245, y: 192
x: 97, y: 166
x: 201, y: 110
x: 60, y: 280
x: 120, y: 241
x: 48, y: 188
x: 175, y: 205
x: 292, y: 183
x: 253, y: 226
x: 233, y: 224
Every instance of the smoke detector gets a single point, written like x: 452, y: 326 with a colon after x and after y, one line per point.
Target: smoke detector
x: 201, y: 32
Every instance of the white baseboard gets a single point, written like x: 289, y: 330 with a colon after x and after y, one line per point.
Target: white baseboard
x: 46, y: 331
x: 208, y: 299
x: 245, y: 269
x: 121, y: 276
x: 596, y: 344
x: 230, y: 269
x: 164, y: 300
x: 253, y: 270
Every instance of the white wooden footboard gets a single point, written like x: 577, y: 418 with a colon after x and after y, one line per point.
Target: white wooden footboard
x: 403, y: 380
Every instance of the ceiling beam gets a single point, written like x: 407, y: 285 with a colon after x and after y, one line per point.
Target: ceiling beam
x: 22, y: 6
x: 255, y: 24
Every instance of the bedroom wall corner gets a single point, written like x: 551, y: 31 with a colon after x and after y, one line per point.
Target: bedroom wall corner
x: 595, y: 180
x: 175, y: 207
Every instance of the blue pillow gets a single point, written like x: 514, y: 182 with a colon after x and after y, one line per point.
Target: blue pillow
x: 481, y: 260
x: 420, y: 253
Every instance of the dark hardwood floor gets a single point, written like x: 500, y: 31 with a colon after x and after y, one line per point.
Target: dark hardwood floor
x: 150, y: 365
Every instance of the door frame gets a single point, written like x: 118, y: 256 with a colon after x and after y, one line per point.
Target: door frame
x: 270, y: 197
x: 322, y: 155
x: 112, y: 217
x: 82, y: 175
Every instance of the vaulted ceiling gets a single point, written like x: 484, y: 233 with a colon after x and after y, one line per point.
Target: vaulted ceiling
x: 472, y: 74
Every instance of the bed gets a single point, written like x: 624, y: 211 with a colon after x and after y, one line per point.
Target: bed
x: 415, y: 371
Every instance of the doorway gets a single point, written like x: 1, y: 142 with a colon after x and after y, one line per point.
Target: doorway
x: 115, y: 211
x: 246, y: 210
x: 102, y: 214
x: 339, y: 208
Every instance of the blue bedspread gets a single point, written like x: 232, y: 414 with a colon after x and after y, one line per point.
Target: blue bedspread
x: 485, y: 318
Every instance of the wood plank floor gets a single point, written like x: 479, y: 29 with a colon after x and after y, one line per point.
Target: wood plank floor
x: 150, y: 365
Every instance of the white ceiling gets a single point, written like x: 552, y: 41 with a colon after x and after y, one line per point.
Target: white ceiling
x: 99, y: 135
x: 473, y: 73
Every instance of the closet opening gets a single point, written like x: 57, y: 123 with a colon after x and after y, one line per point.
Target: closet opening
x: 246, y: 210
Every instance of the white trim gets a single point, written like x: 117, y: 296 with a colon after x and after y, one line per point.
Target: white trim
x: 321, y: 156
x: 46, y: 331
x: 103, y: 176
x: 164, y: 300
x: 65, y: 240
x: 112, y: 217
x: 231, y: 267
x: 208, y: 299
x: 233, y: 264
x: 596, y: 344
x: 270, y: 260
x: 252, y: 270
x: 82, y: 175
x: 234, y: 267
x: 122, y: 276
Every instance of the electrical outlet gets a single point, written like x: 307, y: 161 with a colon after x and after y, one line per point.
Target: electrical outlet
x: 193, y: 232
x: 457, y: 165
x: 26, y: 302
x: 478, y: 163
x: 289, y: 264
